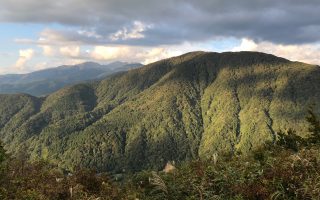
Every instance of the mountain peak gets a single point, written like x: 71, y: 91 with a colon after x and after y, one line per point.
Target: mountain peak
x: 187, y: 107
x: 87, y: 63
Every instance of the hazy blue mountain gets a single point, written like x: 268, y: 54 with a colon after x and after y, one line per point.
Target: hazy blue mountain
x: 46, y: 81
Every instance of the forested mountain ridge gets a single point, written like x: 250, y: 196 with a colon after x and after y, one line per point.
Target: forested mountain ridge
x: 177, y: 109
x: 46, y: 81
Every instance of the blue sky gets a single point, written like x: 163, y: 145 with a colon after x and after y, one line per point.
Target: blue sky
x: 40, y: 34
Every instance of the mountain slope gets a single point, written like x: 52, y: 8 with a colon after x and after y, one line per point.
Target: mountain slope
x: 176, y: 109
x: 46, y: 81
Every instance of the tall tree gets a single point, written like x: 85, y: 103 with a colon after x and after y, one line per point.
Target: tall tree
x: 2, y: 153
x: 314, y: 128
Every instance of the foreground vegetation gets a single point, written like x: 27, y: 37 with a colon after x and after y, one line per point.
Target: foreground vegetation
x: 276, y: 173
x: 286, y: 169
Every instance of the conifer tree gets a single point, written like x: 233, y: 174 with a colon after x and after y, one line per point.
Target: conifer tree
x: 2, y: 153
x: 314, y: 126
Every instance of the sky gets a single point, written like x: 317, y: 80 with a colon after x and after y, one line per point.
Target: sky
x: 37, y: 34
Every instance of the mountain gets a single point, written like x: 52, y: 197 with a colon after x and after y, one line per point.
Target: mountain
x: 181, y: 108
x: 46, y: 81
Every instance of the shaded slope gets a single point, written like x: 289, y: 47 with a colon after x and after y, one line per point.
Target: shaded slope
x: 176, y: 109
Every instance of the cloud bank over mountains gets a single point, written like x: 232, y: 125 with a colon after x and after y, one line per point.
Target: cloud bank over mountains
x: 81, y: 29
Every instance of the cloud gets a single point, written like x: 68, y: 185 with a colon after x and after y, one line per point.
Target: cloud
x: 246, y: 45
x: 70, y: 51
x: 110, y: 53
x: 143, y: 54
x: 48, y: 50
x: 57, y: 55
x: 309, y: 53
x: 304, y: 53
x: 24, y: 56
x: 150, y: 30
x: 135, y: 33
x: 174, y: 21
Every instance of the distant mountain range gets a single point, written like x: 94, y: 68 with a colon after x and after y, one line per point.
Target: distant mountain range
x: 46, y: 81
x: 187, y: 107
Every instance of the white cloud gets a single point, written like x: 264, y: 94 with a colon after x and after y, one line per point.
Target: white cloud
x: 142, y: 54
x: 24, y: 56
x: 48, y: 50
x: 128, y: 53
x: 110, y: 53
x: 61, y: 52
x: 135, y: 33
x: 70, y: 51
x: 305, y: 53
x: 159, y: 53
x: 89, y: 34
x: 246, y: 45
x: 50, y: 37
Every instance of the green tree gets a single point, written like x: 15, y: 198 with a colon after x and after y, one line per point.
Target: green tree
x: 3, y: 157
x: 2, y: 153
x: 314, y: 128
x: 290, y: 140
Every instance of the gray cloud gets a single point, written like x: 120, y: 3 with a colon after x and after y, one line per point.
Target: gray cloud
x: 174, y: 21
